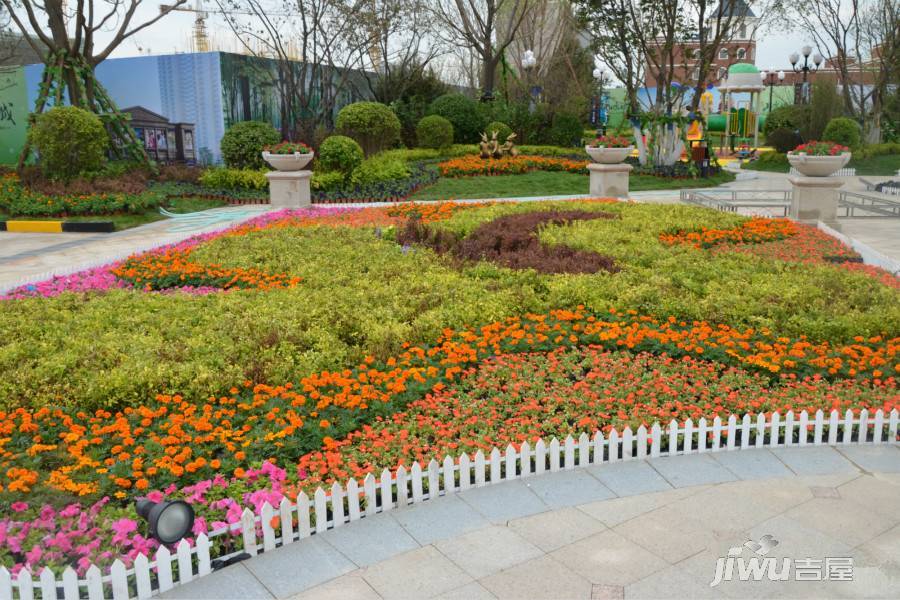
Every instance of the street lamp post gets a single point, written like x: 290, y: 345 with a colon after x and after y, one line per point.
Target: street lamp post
x: 768, y: 79
x: 602, y: 78
x: 528, y: 63
x: 805, y: 68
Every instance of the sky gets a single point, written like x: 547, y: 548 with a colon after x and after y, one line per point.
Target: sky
x: 172, y: 34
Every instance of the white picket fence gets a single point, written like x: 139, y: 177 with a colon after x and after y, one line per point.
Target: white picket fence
x: 341, y: 505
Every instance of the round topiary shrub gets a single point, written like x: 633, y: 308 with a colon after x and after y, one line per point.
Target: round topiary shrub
x: 503, y: 130
x: 243, y: 143
x: 435, y: 132
x: 842, y: 130
x: 463, y: 113
x: 339, y: 153
x: 372, y: 124
x: 69, y: 141
x: 566, y: 130
x: 783, y: 139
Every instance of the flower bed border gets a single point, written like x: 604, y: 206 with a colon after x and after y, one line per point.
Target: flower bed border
x: 274, y: 526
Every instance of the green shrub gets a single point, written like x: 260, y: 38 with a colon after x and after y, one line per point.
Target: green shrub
x: 566, y: 130
x: 824, y: 105
x: 327, y: 181
x: 434, y: 131
x: 379, y: 168
x: 503, y: 130
x: 463, y: 113
x: 339, y: 153
x: 794, y: 117
x: 767, y: 159
x: 372, y: 124
x: 69, y: 141
x: 884, y: 149
x: 234, y: 179
x: 243, y: 143
x: 842, y: 131
x: 783, y: 139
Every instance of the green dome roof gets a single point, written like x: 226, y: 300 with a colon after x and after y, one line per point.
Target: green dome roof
x: 742, y: 68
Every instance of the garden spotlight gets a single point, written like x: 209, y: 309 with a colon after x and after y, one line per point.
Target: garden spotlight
x: 169, y: 521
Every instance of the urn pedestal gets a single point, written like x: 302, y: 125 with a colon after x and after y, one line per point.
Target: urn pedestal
x: 289, y: 189
x: 815, y: 199
x: 609, y: 180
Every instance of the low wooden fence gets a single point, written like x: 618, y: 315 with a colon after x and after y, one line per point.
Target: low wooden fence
x: 292, y: 521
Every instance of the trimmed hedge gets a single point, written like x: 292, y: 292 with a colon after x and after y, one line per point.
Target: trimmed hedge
x: 243, y: 143
x: 566, y: 130
x: 70, y: 141
x: 434, y: 131
x: 339, y: 153
x: 844, y: 131
x: 503, y: 130
x: 372, y: 124
x: 783, y: 139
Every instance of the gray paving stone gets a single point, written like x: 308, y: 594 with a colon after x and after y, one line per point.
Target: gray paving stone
x: 668, y: 583
x: 347, y: 587
x: 421, y: 573
x: 471, y: 591
x: 842, y: 519
x: 231, y: 583
x: 371, y: 540
x: 815, y: 460
x: 485, y: 551
x: 618, y: 510
x: 691, y: 469
x: 609, y: 558
x: 504, y: 501
x: 629, y: 478
x: 538, y: 579
x: 439, y: 519
x: 568, y: 488
x: 752, y: 464
x: 291, y: 569
x: 882, y: 459
x: 554, y: 529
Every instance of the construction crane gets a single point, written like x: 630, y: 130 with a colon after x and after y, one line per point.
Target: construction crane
x: 200, y: 38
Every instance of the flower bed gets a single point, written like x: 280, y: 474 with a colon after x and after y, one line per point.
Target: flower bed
x: 466, y: 166
x: 473, y: 389
x: 16, y: 200
x: 449, y: 389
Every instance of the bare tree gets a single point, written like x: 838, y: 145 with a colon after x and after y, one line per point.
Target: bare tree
x: 66, y: 35
x: 402, y: 47
x: 881, y: 45
x: 317, y: 46
x: 486, y: 26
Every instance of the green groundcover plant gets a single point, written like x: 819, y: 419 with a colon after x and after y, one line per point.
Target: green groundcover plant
x: 363, y: 294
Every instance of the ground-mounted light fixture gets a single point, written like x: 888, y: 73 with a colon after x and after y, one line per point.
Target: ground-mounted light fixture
x: 169, y: 521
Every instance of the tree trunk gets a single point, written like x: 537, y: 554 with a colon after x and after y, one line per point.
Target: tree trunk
x: 487, y: 77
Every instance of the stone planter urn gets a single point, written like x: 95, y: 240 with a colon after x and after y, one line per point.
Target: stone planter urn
x: 288, y: 162
x: 818, y: 166
x: 608, y: 156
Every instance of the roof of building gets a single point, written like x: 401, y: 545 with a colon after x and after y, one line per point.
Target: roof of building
x: 742, y: 68
x: 735, y: 8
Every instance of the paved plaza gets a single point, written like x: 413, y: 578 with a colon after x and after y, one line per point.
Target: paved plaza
x: 639, y: 529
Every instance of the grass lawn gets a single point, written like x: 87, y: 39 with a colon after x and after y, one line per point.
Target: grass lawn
x: 129, y: 220
x: 885, y: 164
x: 546, y: 183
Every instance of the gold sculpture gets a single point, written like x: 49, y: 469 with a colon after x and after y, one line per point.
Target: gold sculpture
x: 491, y: 148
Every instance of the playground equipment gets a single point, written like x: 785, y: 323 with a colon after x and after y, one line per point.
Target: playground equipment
x: 739, y: 122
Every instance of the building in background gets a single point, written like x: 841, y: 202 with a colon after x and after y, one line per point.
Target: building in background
x: 210, y: 90
x: 740, y: 47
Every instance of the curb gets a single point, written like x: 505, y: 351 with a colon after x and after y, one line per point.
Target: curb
x: 58, y: 226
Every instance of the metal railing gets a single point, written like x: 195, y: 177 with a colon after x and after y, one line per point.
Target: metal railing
x: 777, y: 203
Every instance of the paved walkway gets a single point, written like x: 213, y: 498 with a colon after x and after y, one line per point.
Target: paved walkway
x: 26, y: 256
x: 641, y: 529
